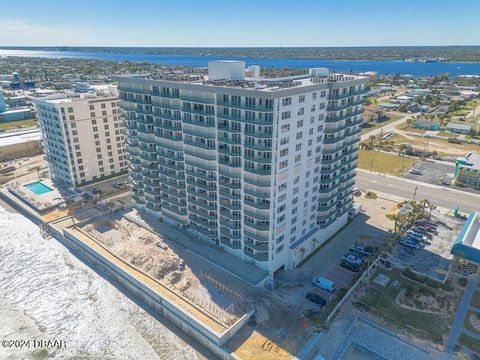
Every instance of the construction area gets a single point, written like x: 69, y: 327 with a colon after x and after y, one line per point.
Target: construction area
x: 173, y: 266
x: 158, y: 250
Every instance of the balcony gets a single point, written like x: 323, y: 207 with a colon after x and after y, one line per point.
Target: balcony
x: 258, y: 171
x: 258, y: 146
x: 345, y: 106
x: 333, y: 96
x: 257, y: 256
x: 202, y: 213
x: 204, y: 195
x: 226, y: 240
x: 228, y: 215
x: 256, y: 193
x: 226, y: 232
x: 258, y: 205
x: 208, y: 205
x: 230, y: 195
x: 256, y: 245
x: 259, y: 226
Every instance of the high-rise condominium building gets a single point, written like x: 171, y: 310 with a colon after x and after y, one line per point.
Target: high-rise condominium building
x: 83, y: 135
x: 261, y: 167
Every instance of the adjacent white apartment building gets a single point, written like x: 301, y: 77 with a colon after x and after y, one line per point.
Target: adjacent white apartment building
x: 263, y: 168
x: 83, y: 135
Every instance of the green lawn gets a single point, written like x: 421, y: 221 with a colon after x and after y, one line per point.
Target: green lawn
x: 15, y: 124
x: 467, y: 325
x: 476, y: 299
x: 469, y: 342
x: 380, y: 301
x: 405, y: 127
x: 447, y: 134
x: 384, y: 163
x: 375, y: 125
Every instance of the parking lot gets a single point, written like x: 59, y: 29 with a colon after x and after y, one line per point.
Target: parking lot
x: 434, y: 258
x: 436, y: 173
x: 371, y: 224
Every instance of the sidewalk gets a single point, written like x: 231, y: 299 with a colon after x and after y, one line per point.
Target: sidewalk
x: 457, y: 327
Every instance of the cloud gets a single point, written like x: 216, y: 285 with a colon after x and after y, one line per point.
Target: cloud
x: 22, y: 32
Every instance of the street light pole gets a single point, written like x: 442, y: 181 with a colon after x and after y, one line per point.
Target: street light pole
x: 415, y: 192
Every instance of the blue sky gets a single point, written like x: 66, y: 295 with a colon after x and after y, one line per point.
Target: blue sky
x: 239, y: 23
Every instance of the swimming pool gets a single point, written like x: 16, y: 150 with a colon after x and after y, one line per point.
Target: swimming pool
x: 38, y: 188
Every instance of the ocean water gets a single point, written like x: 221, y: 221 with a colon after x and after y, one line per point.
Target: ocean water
x: 381, y: 67
x: 47, y: 293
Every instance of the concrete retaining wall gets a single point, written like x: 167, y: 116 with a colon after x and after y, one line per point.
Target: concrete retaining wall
x: 210, y: 340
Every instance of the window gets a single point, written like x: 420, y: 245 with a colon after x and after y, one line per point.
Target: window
x: 301, y: 98
x: 282, y: 187
x: 299, y: 135
x: 280, y: 219
x: 283, y: 164
x: 298, y: 147
x: 285, y: 128
x: 314, y: 96
x: 286, y: 115
x: 287, y: 101
x: 280, y: 248
x: 299, y: 123
x: 92, y: 107
x: 298, y: 157
x: 283, y: 152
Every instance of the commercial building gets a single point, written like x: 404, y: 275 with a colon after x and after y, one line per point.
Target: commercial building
x: 426, y: 124
x: 263, y: 168
x: 20, y: 143
x: 16, y: 115
x: 83, y: 135
x: 467, y: 170
x: 459, y: 128
x: 467, y: 244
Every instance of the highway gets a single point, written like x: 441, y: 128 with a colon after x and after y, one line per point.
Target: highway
x: 439, y: 195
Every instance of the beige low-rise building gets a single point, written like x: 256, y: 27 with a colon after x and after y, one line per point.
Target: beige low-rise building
x: 83, y: 135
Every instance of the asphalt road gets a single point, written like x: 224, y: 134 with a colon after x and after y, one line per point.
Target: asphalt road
x: 439, y: 195
x: 389, y: 127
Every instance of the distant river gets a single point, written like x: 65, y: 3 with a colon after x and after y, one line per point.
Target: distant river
x: 381, y: 67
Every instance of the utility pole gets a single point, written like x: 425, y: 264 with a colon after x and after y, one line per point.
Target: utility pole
x: 415, y: 192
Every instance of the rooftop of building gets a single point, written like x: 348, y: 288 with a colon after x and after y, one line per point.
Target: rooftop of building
x: 106, y: 91
x: 20, y: 136
x: 234, y: 74
x: 459, y: 126
x: 471, y: 160
x: 467, y: 244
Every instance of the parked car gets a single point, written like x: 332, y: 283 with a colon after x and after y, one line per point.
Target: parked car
x: 120, y: 185
x: 324, y: 283
x: 364, y: 250
x: 416, y: 236
x: 416, y: 172
x: 357, y: 260
x: 422, y: 232
x: 317, y: 299
x: 425, y: 222
x: 356, y: 191
x: 349, y: 266
x: 408, y: 242
x: 96, y: 191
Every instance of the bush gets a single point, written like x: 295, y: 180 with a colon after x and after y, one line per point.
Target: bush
x: 432, y: 283
x: 447, y: 286
x: 462, y: 282
x: 370, y: 195
x: 411, y: 275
